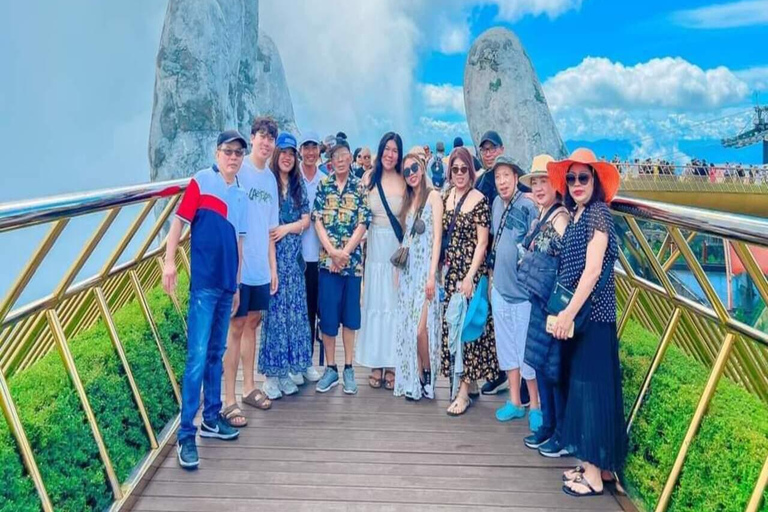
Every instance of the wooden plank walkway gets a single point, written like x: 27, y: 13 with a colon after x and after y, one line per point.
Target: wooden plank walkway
x: 369, y: 452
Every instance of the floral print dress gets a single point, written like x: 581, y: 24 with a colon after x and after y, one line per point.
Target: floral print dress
x: 410, y: 306
x: 480, y: 359
x: 286, y: 344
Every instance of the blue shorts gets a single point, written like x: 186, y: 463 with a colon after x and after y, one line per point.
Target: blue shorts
x: 338, y: 302
x: 253, y: 298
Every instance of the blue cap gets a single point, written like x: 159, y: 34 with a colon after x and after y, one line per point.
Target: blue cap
x: 310, y: 137
x: 477, y: 313
x: 231, y: 136
x: 285, y: 141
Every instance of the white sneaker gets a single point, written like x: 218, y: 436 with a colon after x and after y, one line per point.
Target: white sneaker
x: 271, y: 387
x: 297, y: 378
x: 312, y: 375
x: 287, y: 386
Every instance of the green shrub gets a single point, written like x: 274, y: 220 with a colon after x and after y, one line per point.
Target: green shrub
x: 727, y: 453
x: 55, y: 423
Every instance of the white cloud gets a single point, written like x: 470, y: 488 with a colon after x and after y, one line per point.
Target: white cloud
x: 667, y: 82
x: 442, y: 99
x: 729, y: 15
x: 756, y: 78
x: 513, y: 10
x: 454, y: 38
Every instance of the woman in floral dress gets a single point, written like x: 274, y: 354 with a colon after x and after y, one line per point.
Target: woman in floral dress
x: 419, y: 312
x: 286, y: 345
x: 463, y: 267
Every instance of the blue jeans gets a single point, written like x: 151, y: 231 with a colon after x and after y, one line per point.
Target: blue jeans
x: 207, y: 326
x: 552, y: 397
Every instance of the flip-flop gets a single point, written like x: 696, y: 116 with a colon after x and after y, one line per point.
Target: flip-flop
x: 469, y: 404
x: 578, y: 470
x: 389, y: 384
x: 374, y: 382
x: 258, y: 399
x: 233, y: 412
x: 581, y: 481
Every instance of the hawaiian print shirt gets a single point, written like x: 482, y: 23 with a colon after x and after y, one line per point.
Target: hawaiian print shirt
x: 341, y: 212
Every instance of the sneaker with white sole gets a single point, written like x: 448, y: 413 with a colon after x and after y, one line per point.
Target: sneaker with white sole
x: 330, y: 379
x: 271, y: 388
x: 312, y: 375
x: 297, y: 378
x: 186, y: 451
x: 287, y: 386
x: 350, y: 386
x: 218, y: 429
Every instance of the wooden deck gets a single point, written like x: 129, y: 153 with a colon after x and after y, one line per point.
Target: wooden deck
x: 369, y: 452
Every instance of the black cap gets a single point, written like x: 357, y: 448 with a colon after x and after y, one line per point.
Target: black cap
x: 492, y: 137
x: 341, y: 135
x: 340, y: 143
x: 231, y: 136
x: 440, y: 147
x: 458, y: 142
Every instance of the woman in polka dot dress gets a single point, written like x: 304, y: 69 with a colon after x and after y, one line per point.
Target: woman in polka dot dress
x: 593, y: 429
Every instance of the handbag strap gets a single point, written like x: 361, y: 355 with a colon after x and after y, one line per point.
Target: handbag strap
x: 543, y: 222
x: 452, y: 225
x: 396, y: 227
x: 503, y: 222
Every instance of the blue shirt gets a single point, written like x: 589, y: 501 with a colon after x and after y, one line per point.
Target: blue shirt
x: 218, y: 216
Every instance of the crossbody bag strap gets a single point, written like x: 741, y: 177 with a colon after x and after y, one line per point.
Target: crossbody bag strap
x: 543, y: 222
x: 396, y: 227
x: 456, y: 210
x: 503, y: 222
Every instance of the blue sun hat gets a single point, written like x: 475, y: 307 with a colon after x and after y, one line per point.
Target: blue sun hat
x: 477, y: 313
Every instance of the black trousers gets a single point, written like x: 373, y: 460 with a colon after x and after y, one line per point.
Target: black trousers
x: 310, y: 280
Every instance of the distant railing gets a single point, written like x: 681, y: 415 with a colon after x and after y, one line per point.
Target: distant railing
x: 30, y: 331
x: 636, y: 177
x: 708, y: 333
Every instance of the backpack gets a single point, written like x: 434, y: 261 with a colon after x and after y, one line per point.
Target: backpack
x: 438, y: 172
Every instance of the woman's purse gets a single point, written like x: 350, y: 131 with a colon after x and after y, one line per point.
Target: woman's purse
x: 400, y: 257
x: 562, y: 296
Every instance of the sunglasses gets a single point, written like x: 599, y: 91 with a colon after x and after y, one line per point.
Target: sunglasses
x: 460, y: 170
x: 583, y: 178
x: 410, y: 170
x: 230, y: 152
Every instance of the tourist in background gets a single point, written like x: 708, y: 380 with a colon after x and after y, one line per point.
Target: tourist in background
x: 512, y: 216
x: 594, y: 413
x: 418, y: 323
x: 538, y: 273
x: 491, y: 147
x: 466, y: 221
x: 436, y: 167
x: 259, y: 274
x: 385, y: 187
x: 310, y: 244
x: 341, y: 216
x: 216, y: 256
x: 286, y: 343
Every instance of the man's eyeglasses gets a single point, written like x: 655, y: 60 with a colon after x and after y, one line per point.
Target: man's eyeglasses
x: 583, y: 178
x: 459, y: 170
x: 341, y: 155
x: 410, y: 170
x: 486, y: 150
x: 237, y: 152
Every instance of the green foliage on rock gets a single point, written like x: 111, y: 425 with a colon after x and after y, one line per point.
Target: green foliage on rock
x: 55, y: 423
x: 726, y: 455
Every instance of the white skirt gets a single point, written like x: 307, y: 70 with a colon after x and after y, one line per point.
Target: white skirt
x: 376, y: 339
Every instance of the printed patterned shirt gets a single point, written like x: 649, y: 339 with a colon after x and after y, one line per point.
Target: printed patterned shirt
x: 341, y: 212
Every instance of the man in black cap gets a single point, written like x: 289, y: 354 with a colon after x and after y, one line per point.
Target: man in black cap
x: 491, y: 147
x: 436, y: 166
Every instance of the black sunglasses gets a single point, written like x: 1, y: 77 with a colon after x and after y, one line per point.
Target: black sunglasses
x: 460, y: 170
x: 410, y: 170
x: 583, y: 177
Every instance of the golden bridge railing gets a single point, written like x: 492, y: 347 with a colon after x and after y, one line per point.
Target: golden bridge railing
x: 633, y: 181
x: 30, y: 331
x: 706, y: 330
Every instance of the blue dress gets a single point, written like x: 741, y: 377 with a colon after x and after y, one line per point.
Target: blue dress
x: 286, y: 343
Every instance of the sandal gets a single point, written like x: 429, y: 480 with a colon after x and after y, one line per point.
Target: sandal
x: 582, y: 481
x: 466, y: 400
x: 375, y: 382
x: 234, y: 416
x: 389, y: 383
x: 571, y: 474
x: 258, y: 399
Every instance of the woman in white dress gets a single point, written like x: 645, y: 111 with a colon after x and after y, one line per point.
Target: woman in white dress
x: 386, y: 189
x: 419, y: 311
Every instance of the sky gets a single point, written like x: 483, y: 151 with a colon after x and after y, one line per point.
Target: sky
x: 642, y: 79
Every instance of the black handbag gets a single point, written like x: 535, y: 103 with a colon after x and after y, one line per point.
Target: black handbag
x: 537, y: 271
x: 561, y: 296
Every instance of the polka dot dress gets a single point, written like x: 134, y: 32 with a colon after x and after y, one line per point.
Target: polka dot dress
x: 573, y: 258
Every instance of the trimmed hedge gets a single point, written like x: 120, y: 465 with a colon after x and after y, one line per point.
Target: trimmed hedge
x: 56, y: 425
x: 726, y: 455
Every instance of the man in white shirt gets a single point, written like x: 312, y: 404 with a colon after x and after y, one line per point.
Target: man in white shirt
x: 259, y: 270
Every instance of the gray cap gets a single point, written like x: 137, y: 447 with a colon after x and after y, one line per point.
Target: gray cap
x: 509, y: 161
x: 310, y: 137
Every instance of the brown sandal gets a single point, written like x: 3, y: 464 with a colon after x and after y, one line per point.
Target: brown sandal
x: 232, y: 414
x: 258, y: 399
x: 389, y: 384
x: 376, y: 382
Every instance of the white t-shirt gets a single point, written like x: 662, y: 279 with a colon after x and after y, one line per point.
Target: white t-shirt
x: 263, y: 214
x: 310, y: 243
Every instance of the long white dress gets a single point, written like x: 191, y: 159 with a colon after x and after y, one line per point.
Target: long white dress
x: 410, y: 305
x: 376, y: 339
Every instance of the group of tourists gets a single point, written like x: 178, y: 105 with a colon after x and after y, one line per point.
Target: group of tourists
x: 473, y: 270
